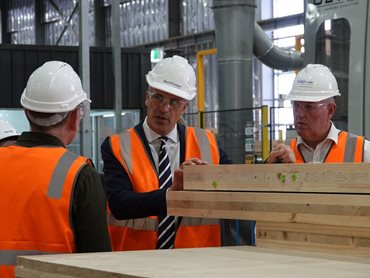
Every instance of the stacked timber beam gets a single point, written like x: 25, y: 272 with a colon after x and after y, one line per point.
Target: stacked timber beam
x: 317, y: 207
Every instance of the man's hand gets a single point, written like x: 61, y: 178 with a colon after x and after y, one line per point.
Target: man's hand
x: 178, y: 175
x: 178, y: 181
x: 193, y: 161
x: 281, y: 154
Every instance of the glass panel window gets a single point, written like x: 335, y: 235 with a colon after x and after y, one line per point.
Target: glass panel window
x: 332, y: 49
x: 103, y: 126
x: 289, y: 38
x: 287, y: 7
x: 16, y: 118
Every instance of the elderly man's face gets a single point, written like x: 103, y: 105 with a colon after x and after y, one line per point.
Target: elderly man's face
x: 163, y: 110
x: 312, y: 119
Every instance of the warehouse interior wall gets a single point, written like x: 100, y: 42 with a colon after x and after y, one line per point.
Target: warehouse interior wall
x: 34, y: 31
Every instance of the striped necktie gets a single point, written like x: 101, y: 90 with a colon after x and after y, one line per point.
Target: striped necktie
x: 166, y: 227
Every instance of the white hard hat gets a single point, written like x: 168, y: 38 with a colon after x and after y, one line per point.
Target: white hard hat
x: 314, y: 83
x: 7, y: 130
x: 53, y: 88
x: 175, y: 76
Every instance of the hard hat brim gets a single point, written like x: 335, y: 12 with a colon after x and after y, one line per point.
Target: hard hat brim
x: 53, y: 88
x: 310, y: 96
x: 170, y: 89
x: 47, y: 107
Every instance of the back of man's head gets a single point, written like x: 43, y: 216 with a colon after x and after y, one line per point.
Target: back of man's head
x: 52, y: 91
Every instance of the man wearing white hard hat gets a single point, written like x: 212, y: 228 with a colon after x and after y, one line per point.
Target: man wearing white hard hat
x: 134, y: 166
x: 318, y: 141
x: 8, y: 135
x: 54, y: 201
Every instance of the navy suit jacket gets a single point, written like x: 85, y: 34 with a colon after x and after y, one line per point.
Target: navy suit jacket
x: 123, y: 201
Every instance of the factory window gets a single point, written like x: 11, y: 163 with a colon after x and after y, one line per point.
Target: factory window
x: 287, y: 38
x: 16, y: 118
x: 287, y: 7
x: 102, y: 126
x: 333, y: 49
x: 102, y: 123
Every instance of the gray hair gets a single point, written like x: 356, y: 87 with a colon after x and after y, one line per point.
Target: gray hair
x: 45, y: 119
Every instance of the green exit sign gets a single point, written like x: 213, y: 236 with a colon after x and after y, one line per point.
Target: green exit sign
x: 156, y: 55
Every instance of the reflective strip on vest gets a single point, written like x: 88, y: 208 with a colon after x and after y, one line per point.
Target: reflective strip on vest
x: 125, y: 139
x: 143, y: 224
x: 9, y: 257
x: 58, y: 169
x: 204, y: 145
x: 130, y: 151
x: 151, y: 224
x: 350, y: 148
x: 60, y: 172
x: 196, y: 221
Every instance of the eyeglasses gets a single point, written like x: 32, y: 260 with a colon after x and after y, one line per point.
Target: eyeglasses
x: 160, y: 99
x: 307, y: 107
x: 82, y: 109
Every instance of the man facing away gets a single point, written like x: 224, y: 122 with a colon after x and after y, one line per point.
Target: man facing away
x: 318, y: 141
x: 133, y: 160
x: 52, y: 200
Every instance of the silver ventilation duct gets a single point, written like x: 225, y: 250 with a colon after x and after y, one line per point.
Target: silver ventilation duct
x: 272, y: 55
x: 235, y: 71
x: 238, y: 37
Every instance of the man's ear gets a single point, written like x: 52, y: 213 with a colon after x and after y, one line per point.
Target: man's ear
x: 73, y: 120
x: 186, y: 104
x: 331, y: 109
x: 147, y: 100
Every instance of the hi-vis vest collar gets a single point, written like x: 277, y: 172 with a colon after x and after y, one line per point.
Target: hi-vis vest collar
x: 201, y: 136
x: 350, y: 148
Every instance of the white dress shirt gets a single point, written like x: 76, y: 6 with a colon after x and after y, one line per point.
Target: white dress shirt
x: 172, y: 145
x: 318, y: 155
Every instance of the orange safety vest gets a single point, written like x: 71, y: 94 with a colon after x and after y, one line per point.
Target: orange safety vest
x: 36, y: 186
x: 350, y: 148
x: 141, y: 234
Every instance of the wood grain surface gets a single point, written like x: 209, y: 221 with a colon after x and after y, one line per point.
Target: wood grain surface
x: 335, y: 178
x: 312, y: 207
x: 194, y: 262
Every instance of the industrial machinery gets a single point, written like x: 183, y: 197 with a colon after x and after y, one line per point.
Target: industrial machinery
x: 336, y: 34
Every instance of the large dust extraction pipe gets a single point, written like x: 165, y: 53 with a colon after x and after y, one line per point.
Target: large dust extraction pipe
x: 235, y: 91
x: 235, y: 71
x: 272, y: 55
x: 238, y: 39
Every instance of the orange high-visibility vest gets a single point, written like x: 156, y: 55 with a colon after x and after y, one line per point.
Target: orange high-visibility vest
x: 141, y: 234
x: 350, y: 148
x: 36, y: 187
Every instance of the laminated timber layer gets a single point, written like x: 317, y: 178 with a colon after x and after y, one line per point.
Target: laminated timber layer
x: 314, y: 207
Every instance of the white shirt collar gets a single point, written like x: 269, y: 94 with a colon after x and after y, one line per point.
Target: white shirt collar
x: 151, y: 135
x: 332, y: 135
